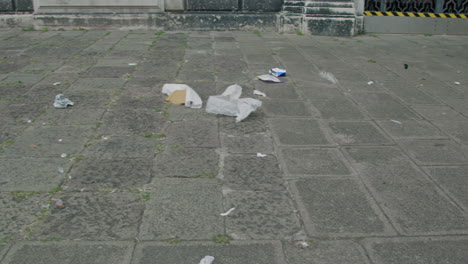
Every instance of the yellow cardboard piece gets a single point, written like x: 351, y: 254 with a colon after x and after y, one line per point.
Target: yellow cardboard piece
x: 177, y: 97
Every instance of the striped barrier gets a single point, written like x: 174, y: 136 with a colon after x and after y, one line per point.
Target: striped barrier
x: 409, y: 14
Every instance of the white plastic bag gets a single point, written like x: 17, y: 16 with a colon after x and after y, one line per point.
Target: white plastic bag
x: 62, y: 102
x: 228, y: 103
x: 207, y: 260
x: 192, y: 99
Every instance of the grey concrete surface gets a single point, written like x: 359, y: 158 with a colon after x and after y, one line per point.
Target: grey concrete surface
x: 362, y: 173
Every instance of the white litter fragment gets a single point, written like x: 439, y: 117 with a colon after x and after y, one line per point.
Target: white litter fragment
x: 63, y: 155
x: 395, y: 121
x: 60, y: 170
x: 105, y: 138
x: 269, y: 78
x: 82, y: 190
x: 62, y: 102
x: 260, y: 155
x: 370, y: 83
x: 69, y: 177
x: 192, y: 99
x: 29, y: 121
x: 132, y: 64
x: 207, y: 260
x: 60, y: 140
x: 228, y: 212
x: 303, y: 244
x: 57, y: 83
x: 257, y: 92
x: 329, y: 76
x: 229, y: 103
x: 457, y: 83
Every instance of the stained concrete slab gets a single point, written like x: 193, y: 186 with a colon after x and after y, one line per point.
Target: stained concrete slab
x: 193, y: 134
x: 382, y: 105
x: 92, y: 216
x: 249, y: 143
x: 123, y: 121
x: 435, y: 152
x: 71, y: 116
x: 261, y: 252
x: 411, y: 129
x: 249, y: 172
x: 187, y: 162
x: 308, y: 161
x: 358, y: 133
x: 412, y: 250
x: 70, y: 252
x: 337, y: 108
x: 108, y: 147
x: 286, y: 109
x: 260, y: 215
x: 97, y: 84
x: 385, y: 170
x: 187, y: 209
x: 452, y: 179
x: 298, y: 132
x: 325, y: 202
x: 326, y: 252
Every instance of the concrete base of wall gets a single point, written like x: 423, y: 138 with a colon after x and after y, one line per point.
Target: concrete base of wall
x: 243, y: 21
x: 416, y: 25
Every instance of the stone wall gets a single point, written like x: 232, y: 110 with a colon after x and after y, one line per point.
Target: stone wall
x: 16, y: 5
x: 235, y: 5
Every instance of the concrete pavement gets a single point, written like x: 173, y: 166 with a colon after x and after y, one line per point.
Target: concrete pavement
x: 365, y: 173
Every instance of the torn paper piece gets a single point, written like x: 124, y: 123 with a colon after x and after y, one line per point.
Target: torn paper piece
x: 60, y: 170
x: 260, y: 155
x: 132, y: 64
x: 63, y: 155
x: 457, y: 83
x: 192, y: 99
x: 177, y: 97
x: 277, y: 72
x: 329, y: 76
x: 370, y: 83
x: 228, y: 103
x: 303, y: 244
x: 257, y: 92
x: 228, y: 212
x: 62, y: 102
x: 396, y: 121
x: 269, y: 78
x: 57, y: 83
x: 207, y: 260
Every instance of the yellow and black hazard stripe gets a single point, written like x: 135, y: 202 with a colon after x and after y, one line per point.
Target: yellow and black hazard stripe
x: 408, y: 14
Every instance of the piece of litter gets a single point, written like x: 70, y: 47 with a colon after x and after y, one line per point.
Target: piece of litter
x: 82, y: 190
x: 63, y: 155
x: 45, y: 205
x: 57, y: 83
x: 228, y: 212
x: 395, y: 121
x: 33, y: 146
x: 458, y: 72
x: 44, y: 124
x: 69, y: 177
x: 60, y: 140
x: 59, y: 204
x: 277, y: 72
x: 62, y: 102
x: 457, y: 83
x: 105, y: 138
x: 177, y: 97
x: 192, y: 99
x: 370, y: 82
x: 260, y: 155
x: 229, y: 103
x: 303, y: 244
x: 269, y: 78
x: 329, y: 76
x: 132, y: 64
x: 29, y: 121
x: 406, y: 66
x: 257, y: 92
x: 207, y: 260
x: 60, y: 170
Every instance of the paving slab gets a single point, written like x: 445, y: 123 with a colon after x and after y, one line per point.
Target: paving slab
x: 314, y: 161
x: 108, y: 147
x: 411, y: 129
x: 326, y: 252
x: 286, y: 109
x: 325, y: 201
x: 255, y: 123
x: 358, y: 133
x: 187, y: 162
x: 71, y: 116
x: 124, y: 121
x: 91, y: 174
x: 261, y: 215
x: 97, y: 84
x: 249, y: 143
x: 404, y: 192
x: 337, y: 108
x: 186, y: 209
x: 45, y: 141
x: 193, y: 134
x: 408, y: 93
x: 249, y: 172
x: 70, y: 252
x: 435, y: 152
x: 382, y: 105
x: 453, y: 180
x: 92, y: 216
x: 261, y: 252
x: 299, y: 132
x: 417, y: 250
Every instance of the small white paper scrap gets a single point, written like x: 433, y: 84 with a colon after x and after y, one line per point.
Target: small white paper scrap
x: 257, y: 92
x: 395, y: 121
x: 370, y: 83
x: 457, y: 83
x: 207, y: 260
x: 63, y: 155
x: 132, y: 64
x: 57, y: 83
x: 228, y: 212
x: 260, y: 155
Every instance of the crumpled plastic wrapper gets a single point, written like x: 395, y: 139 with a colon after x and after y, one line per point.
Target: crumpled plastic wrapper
x: 62, y: 102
